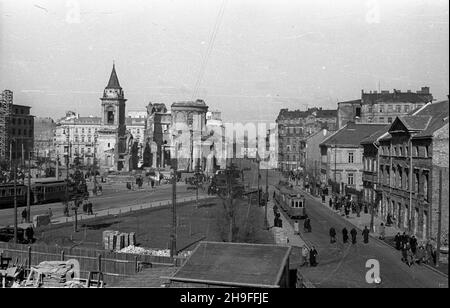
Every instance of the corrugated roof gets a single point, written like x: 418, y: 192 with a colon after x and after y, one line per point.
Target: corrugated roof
x: 352, y: 134
x: 234, y: 264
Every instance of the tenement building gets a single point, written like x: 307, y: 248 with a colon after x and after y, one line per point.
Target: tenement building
x: 409, y: 169
x: 342, y: 157
x: 293, y: 127
x: 44, y: 135
x: 382, y: 107
x: 16, y: 129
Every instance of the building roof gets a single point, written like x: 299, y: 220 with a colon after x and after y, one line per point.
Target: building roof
x: 425, y: 121
x: 317, y: 112
x: 376, y: 135
x: 351, y: 102
x: 113, y: 82
x: 415, y: 123
x: 197, y: 103
x: 397, y: 96
x: 352, y: 134
x: 439, y: 112
x: 234, y: 264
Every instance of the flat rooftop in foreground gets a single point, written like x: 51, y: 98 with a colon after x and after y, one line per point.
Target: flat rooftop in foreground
x: 235, y: 264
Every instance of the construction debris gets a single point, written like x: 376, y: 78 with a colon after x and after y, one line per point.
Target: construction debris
x: 151, y: 252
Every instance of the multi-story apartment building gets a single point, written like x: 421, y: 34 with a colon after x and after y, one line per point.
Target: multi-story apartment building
x: 16, y: 129
x: 310, y: 156
x: 293, y: 127
x: 44, y: 135
x: 408, y: 178
x: 382, y: 107
x: 371, y: 188
x: 342, y: 157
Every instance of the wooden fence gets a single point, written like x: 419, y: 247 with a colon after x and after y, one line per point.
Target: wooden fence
x: 114, y: 266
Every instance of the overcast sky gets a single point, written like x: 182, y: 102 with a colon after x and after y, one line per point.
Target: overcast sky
x: 249, y: 57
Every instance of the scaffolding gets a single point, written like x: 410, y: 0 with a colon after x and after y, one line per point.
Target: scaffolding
x: 6, y: 100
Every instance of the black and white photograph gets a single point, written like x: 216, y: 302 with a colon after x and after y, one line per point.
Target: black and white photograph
x: 234, y: 145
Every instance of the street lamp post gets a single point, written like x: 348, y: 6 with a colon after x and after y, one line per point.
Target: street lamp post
x: 173, y: 234
x: 14, y: 169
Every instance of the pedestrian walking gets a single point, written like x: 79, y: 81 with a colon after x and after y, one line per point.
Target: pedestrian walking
x: 413, y: 244
x: 307, y: 225
x: 50, y: 213
x: 344, y: 235
x: 313, y: 256
x: 305, y: 254
x: 420, y: 255
x: 353, y: 234
x: 323, y: 198
x: 382, y: 231
x: 365, y: 235
x: 89, y: 208
x: 296, y: 227
x: 398, y: 241
x: 24, y: 215
x: 330, y: 203
x: 332, y: 235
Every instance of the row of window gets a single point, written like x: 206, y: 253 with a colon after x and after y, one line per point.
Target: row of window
x: 19, y: 121
x: 392, y: 108
x: 399, y: 178
x: 370, y: 165
x: 403, y: 151
x: 22, y: 132
x: 89, y: 130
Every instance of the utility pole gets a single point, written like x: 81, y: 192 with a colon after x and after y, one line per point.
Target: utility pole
x: 15, y: 202
x: 259, y: 175
x: 29, y: 189
x: 438, y: 248
x: 266, y: 223
x: 173, y: 234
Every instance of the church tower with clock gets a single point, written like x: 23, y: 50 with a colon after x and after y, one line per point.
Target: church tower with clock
x: 111, y: 139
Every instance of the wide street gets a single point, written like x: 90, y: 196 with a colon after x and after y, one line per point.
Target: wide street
x: 113, y: 197
x: 344, y: 265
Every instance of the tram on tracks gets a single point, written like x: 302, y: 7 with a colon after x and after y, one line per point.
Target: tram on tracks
x: 41, y: 191
x: 291, y: 200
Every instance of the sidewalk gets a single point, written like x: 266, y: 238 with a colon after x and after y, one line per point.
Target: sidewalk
x: 364, y: 220
x: 285, y: 235
x: 123, y: 210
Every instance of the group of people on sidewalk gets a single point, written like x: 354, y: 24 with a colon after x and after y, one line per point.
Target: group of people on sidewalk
x: 412, y: 252
x: 344, y: 204
x: 353, y: 234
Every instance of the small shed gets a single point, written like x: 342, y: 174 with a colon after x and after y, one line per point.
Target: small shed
x: 218, y: 264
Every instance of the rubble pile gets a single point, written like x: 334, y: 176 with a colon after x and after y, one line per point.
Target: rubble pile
x: 151, y: 252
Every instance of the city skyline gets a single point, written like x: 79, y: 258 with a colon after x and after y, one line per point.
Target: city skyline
x: 255, y: 53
